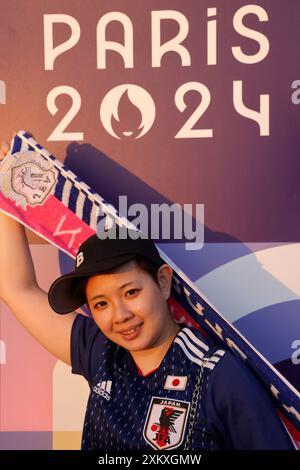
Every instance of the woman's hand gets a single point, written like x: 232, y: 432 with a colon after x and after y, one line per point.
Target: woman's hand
x: 4, y: 146
x: 4, y: 149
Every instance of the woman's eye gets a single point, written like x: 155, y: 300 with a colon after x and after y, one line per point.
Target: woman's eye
x: 100, y: 304
x: 132, y: 292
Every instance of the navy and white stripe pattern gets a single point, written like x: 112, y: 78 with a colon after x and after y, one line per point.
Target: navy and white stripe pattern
x: 74, y: 193
x: 196, y: 350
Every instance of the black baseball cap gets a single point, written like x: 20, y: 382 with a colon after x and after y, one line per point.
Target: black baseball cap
x: 97, y: 256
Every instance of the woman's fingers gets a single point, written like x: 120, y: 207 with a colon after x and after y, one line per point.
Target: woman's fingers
x: 4, y: 148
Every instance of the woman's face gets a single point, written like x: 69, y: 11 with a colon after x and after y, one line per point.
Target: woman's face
x: 130, y: 308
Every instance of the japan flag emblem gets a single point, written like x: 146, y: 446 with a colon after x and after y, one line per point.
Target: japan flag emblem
x: 165, y: 423
x: 176, y: 382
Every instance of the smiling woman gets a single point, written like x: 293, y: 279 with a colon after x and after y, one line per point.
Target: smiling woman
x: 125, y: 285
x: 154, y: 383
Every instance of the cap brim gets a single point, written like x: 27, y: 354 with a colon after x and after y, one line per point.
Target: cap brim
x: 62, y: 295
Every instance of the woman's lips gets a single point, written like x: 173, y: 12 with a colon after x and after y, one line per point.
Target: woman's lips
x: 131, y: 334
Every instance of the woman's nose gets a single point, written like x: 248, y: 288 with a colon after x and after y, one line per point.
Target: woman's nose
x: 121, y: 313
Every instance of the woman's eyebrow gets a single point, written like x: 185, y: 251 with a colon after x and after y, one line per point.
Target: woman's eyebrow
x: 121, y: 287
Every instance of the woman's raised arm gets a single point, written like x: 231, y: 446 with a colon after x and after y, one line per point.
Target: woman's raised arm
x: 20, y: 290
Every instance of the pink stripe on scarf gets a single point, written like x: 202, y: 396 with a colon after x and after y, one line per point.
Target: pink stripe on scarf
x: 53, y: 221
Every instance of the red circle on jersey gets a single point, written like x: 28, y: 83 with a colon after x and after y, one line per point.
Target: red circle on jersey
x: 154, y: 427
x: 175, y: 382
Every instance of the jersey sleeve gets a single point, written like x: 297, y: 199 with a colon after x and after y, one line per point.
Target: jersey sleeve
x: 87, y: 344
x: 240, y: 411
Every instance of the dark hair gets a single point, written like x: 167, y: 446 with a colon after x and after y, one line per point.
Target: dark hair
x: 142, y: 262
x: 147, y: 266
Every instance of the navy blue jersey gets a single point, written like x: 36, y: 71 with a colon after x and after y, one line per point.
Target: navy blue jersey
x: 128, y: 411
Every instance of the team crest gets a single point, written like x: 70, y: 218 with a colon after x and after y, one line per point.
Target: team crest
x: 165, y: 423
x: 27, y: 178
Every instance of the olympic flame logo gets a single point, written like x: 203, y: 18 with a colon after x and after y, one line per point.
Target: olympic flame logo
x: 127, y: 111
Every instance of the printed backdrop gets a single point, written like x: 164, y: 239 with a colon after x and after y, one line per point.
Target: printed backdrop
x: 163, y: 101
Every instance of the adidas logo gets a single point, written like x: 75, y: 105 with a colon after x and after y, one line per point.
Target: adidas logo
x: 103, y: 389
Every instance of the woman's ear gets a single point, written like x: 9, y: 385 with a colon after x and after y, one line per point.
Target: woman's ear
x: 164, y: 279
